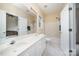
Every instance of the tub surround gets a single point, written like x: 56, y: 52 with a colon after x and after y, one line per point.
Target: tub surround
x: 21, y: 44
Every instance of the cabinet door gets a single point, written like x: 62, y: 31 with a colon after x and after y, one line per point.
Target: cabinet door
x: 22, y: 25
x: 43, y: 45
x: 2, y: 24
x: 36, y: 49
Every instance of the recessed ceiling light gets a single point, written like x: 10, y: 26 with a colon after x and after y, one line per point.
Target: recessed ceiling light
x: 27, y: 10
x: 45, y: 6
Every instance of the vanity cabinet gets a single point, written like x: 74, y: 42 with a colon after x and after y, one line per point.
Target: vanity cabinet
x: 36, y: 49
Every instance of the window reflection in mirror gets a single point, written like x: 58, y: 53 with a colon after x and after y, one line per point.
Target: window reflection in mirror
x: 11, y: 25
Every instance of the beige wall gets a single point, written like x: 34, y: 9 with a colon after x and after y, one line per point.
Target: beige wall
x: 8, y: 7
x: 32, y: 18
x: 38, y: 13
x: 12, y: 9
x: 51, y: 25
x: 32, y: 23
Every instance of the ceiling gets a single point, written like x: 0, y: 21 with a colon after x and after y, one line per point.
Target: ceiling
x: 24, y: 7
x: 50, y: 8
x: 45, y: 8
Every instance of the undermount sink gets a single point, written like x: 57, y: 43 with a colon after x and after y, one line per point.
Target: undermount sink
x: 12, y: 42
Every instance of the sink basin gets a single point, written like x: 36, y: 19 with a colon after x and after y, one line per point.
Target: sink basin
x: 12, y: 42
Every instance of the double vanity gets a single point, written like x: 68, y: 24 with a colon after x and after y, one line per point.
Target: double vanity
x: 19, y: 35
x: 26, y: 45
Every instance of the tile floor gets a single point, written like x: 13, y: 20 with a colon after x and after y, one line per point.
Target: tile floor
x: 53, y: 48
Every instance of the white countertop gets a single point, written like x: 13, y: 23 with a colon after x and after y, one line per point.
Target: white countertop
x: 20, y: 45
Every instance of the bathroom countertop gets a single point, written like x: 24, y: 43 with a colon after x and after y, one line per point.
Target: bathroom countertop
x: 20, y: 45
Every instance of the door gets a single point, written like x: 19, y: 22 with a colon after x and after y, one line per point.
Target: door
x: 65, y: 29
x: 2, y: 24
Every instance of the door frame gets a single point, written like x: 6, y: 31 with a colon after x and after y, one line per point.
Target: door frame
x: 72, y: 25
x: 72, y: 29
x: 65, y: 30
